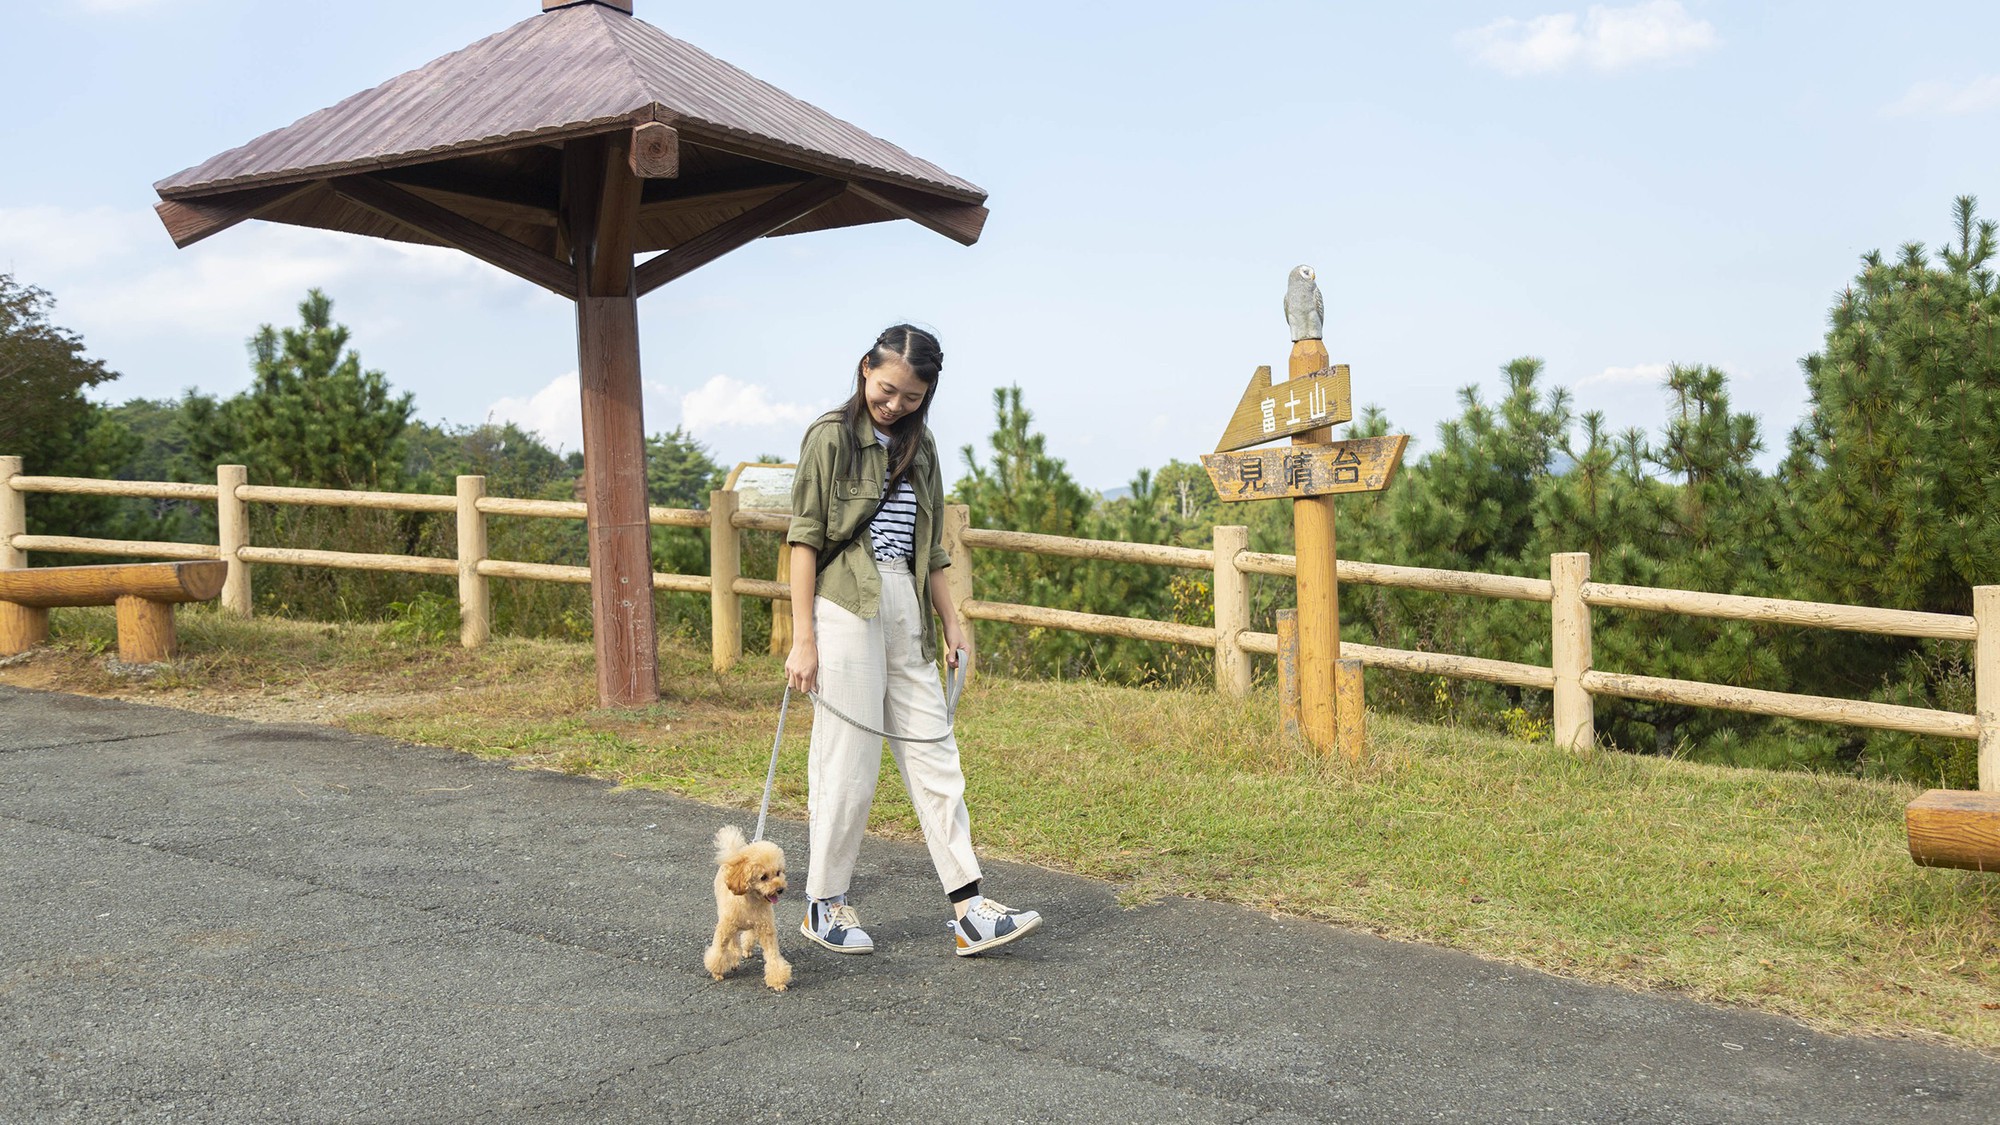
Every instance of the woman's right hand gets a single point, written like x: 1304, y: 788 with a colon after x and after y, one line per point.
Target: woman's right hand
x: 802, y: 665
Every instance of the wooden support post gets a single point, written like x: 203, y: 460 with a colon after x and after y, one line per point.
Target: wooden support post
x: 475, y: 602
x: 600, y: 204
x: 21, y: 627
x: 232, y: 526
x: 1351, y: 710
x: 1288, y: 673
x: 13, y: 515
x: 145, y: 630
x: 725, y: 566
x: 1318, y: 585
x: 1569, y: 651
x: 781, y: 608
x: 1986, y: 681
x: 958, y: 576
x: 1232, y: 612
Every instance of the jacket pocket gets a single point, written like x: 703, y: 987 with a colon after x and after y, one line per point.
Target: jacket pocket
x: 854, y: 502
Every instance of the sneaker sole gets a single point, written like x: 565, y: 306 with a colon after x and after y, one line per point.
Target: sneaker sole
x: 850, y: 950
x: 995, y: 943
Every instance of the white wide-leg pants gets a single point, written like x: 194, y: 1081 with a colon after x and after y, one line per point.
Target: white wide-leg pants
x: 875, y: 670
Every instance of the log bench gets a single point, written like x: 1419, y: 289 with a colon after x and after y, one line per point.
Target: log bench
x: 1955, y: 828
x: 145, y: 594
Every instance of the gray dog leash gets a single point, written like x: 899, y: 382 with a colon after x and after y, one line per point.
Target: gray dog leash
x: 954, y: 687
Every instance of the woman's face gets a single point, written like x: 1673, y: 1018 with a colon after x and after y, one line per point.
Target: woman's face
x: 891, y: 391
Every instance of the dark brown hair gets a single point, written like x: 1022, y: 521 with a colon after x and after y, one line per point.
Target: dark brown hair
x: 920, y: 350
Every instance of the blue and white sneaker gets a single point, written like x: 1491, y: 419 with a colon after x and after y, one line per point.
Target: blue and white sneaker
x: 834, y: 924
x: 988, y: 924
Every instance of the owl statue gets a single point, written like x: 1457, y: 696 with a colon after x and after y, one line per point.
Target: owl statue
x: 1304, y: 308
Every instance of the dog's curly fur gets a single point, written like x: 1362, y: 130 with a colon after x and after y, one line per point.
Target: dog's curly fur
x: 748, y: 880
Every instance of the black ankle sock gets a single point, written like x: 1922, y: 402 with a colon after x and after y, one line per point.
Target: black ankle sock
x: 970, y: 890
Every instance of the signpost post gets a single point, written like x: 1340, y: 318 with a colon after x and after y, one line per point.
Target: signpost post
x: 1314, y: 469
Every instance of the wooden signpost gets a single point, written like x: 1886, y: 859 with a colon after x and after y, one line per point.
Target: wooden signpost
x: 1313, y: 470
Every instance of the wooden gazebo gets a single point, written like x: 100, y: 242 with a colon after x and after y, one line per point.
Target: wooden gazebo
x: 559, y: 150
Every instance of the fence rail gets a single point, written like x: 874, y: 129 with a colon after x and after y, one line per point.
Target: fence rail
x: 1570, y: 677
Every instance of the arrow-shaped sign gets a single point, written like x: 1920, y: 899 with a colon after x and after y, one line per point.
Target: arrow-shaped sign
x: 1305, y: 402
x: 1357, y: 465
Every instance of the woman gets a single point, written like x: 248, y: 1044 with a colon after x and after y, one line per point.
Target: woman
x: 867, y: 574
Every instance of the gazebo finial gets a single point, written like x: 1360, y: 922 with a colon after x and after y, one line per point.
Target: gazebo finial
x: 617, y: 5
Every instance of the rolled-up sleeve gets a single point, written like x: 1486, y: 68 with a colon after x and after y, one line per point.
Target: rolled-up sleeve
x: 812, y: 490
x: 938, y: 558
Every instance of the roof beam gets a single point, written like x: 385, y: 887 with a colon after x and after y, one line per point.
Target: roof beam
x: 188, y: 221
x: 960, y: 222
x: 482, y: 242
x: 751, y: 225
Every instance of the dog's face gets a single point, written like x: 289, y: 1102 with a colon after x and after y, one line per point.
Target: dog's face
x: 757, y: 871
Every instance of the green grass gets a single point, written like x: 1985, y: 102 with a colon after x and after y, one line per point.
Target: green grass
x: 1788, y: 892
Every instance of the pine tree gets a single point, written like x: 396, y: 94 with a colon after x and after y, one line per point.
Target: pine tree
x: 312, y: 415
x: 1892, y: 479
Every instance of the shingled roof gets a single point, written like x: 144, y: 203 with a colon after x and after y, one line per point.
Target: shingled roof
x: 477, y: 131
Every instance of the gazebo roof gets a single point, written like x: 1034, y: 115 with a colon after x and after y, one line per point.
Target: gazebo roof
x: 479, y: 131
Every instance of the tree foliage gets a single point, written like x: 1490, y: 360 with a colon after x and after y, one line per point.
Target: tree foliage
x: 312, y: 416
x: 47, y: 421
x: 1893, y: 477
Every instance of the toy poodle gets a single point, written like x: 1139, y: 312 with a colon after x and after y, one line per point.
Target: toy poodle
x: 748, y: 880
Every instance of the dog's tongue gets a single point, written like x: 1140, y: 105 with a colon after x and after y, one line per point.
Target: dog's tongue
x: 772, y: 899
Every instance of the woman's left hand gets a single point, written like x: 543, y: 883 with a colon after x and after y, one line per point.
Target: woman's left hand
x: 956, y: 647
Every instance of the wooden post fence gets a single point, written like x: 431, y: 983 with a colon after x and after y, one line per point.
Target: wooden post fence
x: 1571, y: 679
x: 725, y: 566
x: 16, y: 621
x: 1986, y: 678
x: 1569, y: 651
x: 475, y: 604
x: 13, y: 515
x: 232, y: 533
x: 1232, y: 611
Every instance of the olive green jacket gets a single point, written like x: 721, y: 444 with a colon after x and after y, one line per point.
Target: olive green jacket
x: 838, y: 487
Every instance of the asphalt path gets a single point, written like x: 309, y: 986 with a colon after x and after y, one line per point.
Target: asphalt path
x: 207, y: 920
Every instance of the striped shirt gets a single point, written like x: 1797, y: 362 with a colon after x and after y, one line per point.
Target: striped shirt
x: 894, y: 528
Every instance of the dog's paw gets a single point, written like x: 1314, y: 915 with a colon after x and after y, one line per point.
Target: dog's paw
x: 778, y: 976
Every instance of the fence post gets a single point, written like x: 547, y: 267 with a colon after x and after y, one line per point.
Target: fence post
x: 232, y: 530
x: 725, y: 566
x: 781, y: 608
x: 1350, y: 709
x: 475, y: 601
x: 21, y: 627
x: 1569, y: 651
x: 13, y: 515
x: 1986, y: 679
x: 958, y: 576
x: 1288, y: 674
x: 1232, y: 612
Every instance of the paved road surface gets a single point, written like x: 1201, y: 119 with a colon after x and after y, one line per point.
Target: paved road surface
x: 204, y: 920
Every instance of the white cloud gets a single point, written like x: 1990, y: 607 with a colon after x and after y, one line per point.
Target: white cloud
x: 115, y: 270
x: 1603, y: 39
x: 1943, y: 99
x: 723, y: 402
x: 555, y: 412
x: 1651, y: 374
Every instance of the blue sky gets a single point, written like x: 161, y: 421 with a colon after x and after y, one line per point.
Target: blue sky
x: 1609, y: 187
